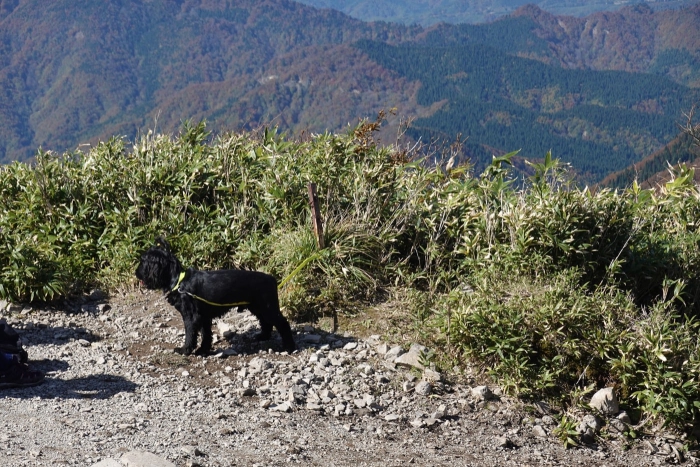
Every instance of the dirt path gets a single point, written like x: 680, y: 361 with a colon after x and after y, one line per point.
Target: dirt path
x: 113, y: 385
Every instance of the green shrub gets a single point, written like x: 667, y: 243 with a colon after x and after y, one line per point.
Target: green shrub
x: 538, y: 335
x: 549, y: 287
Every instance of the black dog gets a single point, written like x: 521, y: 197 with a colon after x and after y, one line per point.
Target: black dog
x: 201, y: 296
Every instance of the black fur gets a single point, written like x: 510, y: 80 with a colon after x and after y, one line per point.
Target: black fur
x: 160, y: 269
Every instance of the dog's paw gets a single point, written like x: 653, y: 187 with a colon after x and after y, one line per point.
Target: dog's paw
x: 203, y: 352
x: 182, y: 351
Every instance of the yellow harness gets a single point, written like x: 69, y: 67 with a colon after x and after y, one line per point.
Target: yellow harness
x: 229, y: 305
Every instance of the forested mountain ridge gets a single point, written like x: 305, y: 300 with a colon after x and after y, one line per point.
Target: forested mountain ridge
x: 654, y: 169
x: 429, y: 12
x: 76, y: 72
x: 635, y: 39
x: 600, y: 121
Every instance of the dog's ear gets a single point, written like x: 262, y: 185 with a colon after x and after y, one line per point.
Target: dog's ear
x: 163, y: 242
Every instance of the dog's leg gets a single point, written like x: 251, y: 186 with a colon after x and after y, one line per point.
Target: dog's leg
x: 205, y: 346
x: 281, y: 323
x: 285, y: 331
x: 269, y: 314
x: 190, y: 318
x: 265, y: 329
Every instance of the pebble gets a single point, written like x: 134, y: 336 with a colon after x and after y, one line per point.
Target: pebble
x: 393, y: 353
x: 590, y: 421
x: 423, y: 388
x: 502, y: 442
x: 144, y: 459
x: 482, y: 393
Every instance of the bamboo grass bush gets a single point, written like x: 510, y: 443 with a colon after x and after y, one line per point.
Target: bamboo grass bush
x: 549, y: 287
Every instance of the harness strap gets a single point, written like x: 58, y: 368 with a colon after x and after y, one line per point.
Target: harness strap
x: 179, y: 281
x: 212, y: 303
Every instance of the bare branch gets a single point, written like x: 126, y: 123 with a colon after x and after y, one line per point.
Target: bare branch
x: 691, y: 128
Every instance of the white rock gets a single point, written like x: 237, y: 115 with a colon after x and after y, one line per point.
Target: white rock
x: 605, y: 401
x: 393, y: 353
x: 260, y: 364
x: 283, y: 407
x: 223, y: 327
x: 410, y: 360
x: 622, y: 416
x: 144, y: 459
x: 617, y: 425
x: 538, y: 431
x: 501, y: 442
x: 350, y: 346
x: 424, y: 388
x: 482, y: 393
x: 590, y: 421
x: 417, y: 423
x: 360, y: 403
x: 108, y: 463
x: 432, y: 375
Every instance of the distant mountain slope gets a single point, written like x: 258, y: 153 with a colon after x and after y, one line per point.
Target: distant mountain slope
x: 429, y: 12
x: 653, y: 169
x: 79, y: 72
x: 633, y: 39
x: 72, y: 72
x: 598, y: 121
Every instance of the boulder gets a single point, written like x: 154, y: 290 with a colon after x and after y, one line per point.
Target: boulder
x: 605, y: 401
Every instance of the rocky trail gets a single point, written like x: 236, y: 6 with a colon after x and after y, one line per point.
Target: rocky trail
x: 116, y: 395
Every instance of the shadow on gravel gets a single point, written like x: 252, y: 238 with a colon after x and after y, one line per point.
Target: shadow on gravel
x: 244, y: 343
x: 55, y: 336
x: 48, y: 366
x: 88, y: 387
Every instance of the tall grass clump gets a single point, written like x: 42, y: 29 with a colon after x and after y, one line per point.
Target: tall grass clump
x: 550, y: 288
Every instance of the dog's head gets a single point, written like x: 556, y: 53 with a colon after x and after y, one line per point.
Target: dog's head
x: 158, y: 268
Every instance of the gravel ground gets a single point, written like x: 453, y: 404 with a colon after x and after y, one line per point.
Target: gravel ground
x: 114, y: 385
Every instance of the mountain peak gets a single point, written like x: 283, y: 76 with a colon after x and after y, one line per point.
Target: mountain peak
x: 531, y: 11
